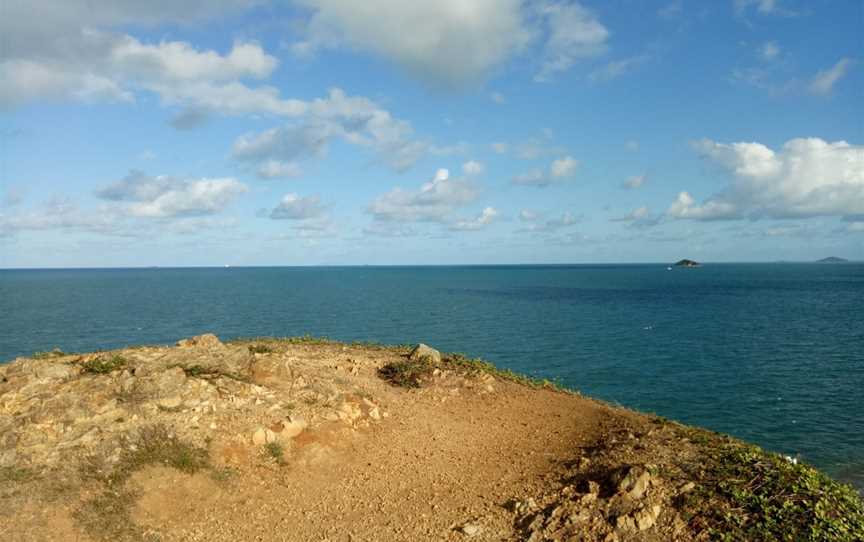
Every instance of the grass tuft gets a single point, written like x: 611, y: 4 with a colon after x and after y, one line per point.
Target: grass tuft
x: 107, y: 516
x: 104, y: 365
x: 55, y: 353
x: 275, y: 450
x: 407, y: 373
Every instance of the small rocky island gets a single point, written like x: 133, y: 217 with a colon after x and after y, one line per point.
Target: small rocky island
x: 832, y: 259
x: 310, y: 439
x: 687, y: 263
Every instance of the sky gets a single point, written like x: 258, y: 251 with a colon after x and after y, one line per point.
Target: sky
x: 330, y: 132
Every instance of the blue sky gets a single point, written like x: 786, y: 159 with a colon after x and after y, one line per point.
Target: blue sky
x: 248, y: 132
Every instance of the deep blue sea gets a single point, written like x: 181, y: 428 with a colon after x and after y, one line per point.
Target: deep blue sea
x: 772, y: 353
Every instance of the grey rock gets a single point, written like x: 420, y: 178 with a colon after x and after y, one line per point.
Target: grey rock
x: 422, y: 352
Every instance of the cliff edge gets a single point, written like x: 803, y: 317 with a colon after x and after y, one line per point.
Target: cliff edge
x: 308, y: 439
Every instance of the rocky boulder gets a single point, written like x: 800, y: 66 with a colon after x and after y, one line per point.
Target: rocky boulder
x: 422, y: 352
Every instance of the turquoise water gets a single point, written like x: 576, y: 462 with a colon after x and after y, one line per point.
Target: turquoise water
x: 772, y: 353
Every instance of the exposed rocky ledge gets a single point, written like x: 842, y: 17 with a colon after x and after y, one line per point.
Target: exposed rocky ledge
x: 308, y: 439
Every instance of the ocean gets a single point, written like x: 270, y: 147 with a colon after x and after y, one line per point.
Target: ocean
x: 771, y: 353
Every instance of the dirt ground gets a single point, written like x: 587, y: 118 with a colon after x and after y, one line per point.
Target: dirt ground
x: 303, y: 441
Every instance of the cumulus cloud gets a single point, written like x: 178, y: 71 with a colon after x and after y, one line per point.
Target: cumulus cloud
x: 639, y: 217
x: 63, y: 214
x: 165, y: 197
x: 536, y: 225
x: 274, y: 169
x: 103, y: 66
x: 824, y: 81
x: 295, y: 207
x: 805, y: 178
x: 559, y: 170
x: 563, y: 168
x: 353, y: 119
x: 634, y: 182
x: 448, y: 42
x: 452, y: 43
x: 435, y: 201
x: 472, y: 167
x: 486, y: 217
x: 527, y: 215
x: 575, y: 33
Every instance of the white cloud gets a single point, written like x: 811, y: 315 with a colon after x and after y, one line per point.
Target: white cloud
x: 634, y: 182
x: 486, y: 217
x: 91, y: 65
x: 529, y: 149
x: 559, y: 170
x: 563, y: 168
x: 617, y: 68
x: 435, y: 201
x: 527, y: 215
x: 535, y: 177
x: 763, y: 7
x: 498, y: 98
x: 566, y: 220
x: 165, y: 197
x: 639, y: 217
x: 574, y: 34
x: 63, y: 214
x: 356, y: 120
x: 177, y: 60
x: 824, y: 81
x: 472, y: 167
x: 806, y: 178
x: 447, y: 42
x: 294, y: 207
x: 274, y: 169
x: 389, y: 229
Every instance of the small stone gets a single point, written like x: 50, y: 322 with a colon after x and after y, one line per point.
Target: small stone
x: 170, y: 403
x: 375, y: 414
x: 293, y: 426
x: 646, y: 517
x: 422, y: 352
x: 635, y: 483
x: 259, y: 437
x: 625, y: 523
x: 471, y: 529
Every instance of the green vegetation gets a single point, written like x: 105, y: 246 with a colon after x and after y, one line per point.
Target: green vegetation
x: 56, y: 353
x: 747, y: 493
x: 200, y: 371
x: 409, y: 373
x: 108, y: 515
x: 276, y: 451
x: 478, y: 366
x: 104, y: 365
x: 261, y: 348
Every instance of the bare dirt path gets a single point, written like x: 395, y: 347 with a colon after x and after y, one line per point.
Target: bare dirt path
x: 431, y: 468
